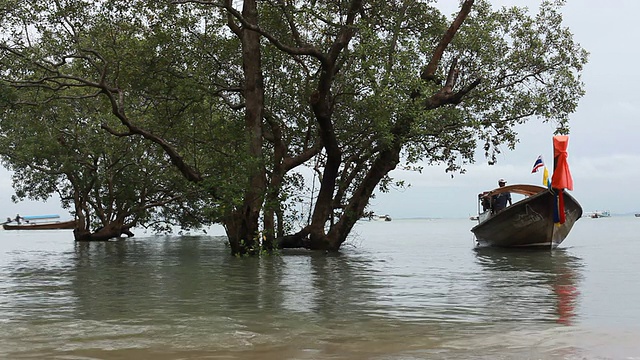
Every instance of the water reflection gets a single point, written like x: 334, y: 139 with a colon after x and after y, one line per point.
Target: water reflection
x: 186, y: 294
x: 327, y: 286
x: 531, y: 285
x: 187, y: 275
x: 194, y: 277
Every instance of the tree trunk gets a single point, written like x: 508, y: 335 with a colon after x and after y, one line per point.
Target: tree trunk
x: 272, y: 205
x: 323, y: 208
x: 338, y: 232
x: 242, y: 227
x: 272, y: 201
x: 242, y: 232
x: 322, y: 105
x: 386, y: 161
x: 110, y: 231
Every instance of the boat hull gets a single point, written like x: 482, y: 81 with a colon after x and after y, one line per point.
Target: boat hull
x: 528, y: 223
x: 42, y: 226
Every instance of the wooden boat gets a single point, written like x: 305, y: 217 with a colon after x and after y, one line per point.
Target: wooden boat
x: 542, y: 219
x: 37, y: 222
x: 528, y: 222
x: 41, y: 225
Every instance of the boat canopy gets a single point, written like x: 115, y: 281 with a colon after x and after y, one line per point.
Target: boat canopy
x: 522, y: 189
x: 40, y: 217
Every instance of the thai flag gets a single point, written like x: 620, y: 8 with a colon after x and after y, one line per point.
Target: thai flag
x: 538, y: 164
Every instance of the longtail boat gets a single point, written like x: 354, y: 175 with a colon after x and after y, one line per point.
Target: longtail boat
x: 543, y: 218
x: 37, y: 222
x: 528, y: 222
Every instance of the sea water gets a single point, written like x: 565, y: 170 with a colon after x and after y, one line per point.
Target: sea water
x: 405, y: 289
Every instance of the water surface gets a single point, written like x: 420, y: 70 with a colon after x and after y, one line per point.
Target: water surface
x: 406, y: 289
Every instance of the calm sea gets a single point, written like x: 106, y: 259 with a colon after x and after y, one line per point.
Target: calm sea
x: 405, y: 289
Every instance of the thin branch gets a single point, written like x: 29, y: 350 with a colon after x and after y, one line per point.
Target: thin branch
x: 305, y: 50
x: 292, y: 25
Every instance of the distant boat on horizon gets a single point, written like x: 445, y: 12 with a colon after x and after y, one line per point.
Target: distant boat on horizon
x: 371, y: 216
x: 600, y: 214
x: 380, y: 218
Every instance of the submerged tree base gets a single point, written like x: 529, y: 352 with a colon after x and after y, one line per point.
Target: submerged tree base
x: 103, y: 234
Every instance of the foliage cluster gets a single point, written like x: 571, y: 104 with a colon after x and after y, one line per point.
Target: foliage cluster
x: 200, y: 112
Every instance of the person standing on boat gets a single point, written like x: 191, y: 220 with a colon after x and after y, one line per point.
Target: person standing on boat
x: 501, y: 200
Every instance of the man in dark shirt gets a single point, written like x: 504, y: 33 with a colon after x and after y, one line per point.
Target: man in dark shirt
x: 500, y: 201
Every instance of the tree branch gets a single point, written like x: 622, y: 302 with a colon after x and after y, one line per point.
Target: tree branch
x: 429, y: 71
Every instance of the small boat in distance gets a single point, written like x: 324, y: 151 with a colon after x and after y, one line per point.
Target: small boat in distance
x: 37, y: 222
x: 638, y: 215
x: 381, y: 218
x: 599, y: 214
x: 371, y: 216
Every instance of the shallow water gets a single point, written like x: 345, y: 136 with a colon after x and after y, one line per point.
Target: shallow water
x: 406, y: 289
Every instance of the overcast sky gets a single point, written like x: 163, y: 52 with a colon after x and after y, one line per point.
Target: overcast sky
x: 604, y: 143
x: 604, y: 148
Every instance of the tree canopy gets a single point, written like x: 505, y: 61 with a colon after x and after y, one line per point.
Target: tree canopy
x: 238, y: 96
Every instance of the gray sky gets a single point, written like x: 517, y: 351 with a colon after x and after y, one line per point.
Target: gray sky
x: 604, y: 143
x: 604, y: 148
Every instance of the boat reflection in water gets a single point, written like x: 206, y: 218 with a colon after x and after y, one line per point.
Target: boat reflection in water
x: 532, y: 285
